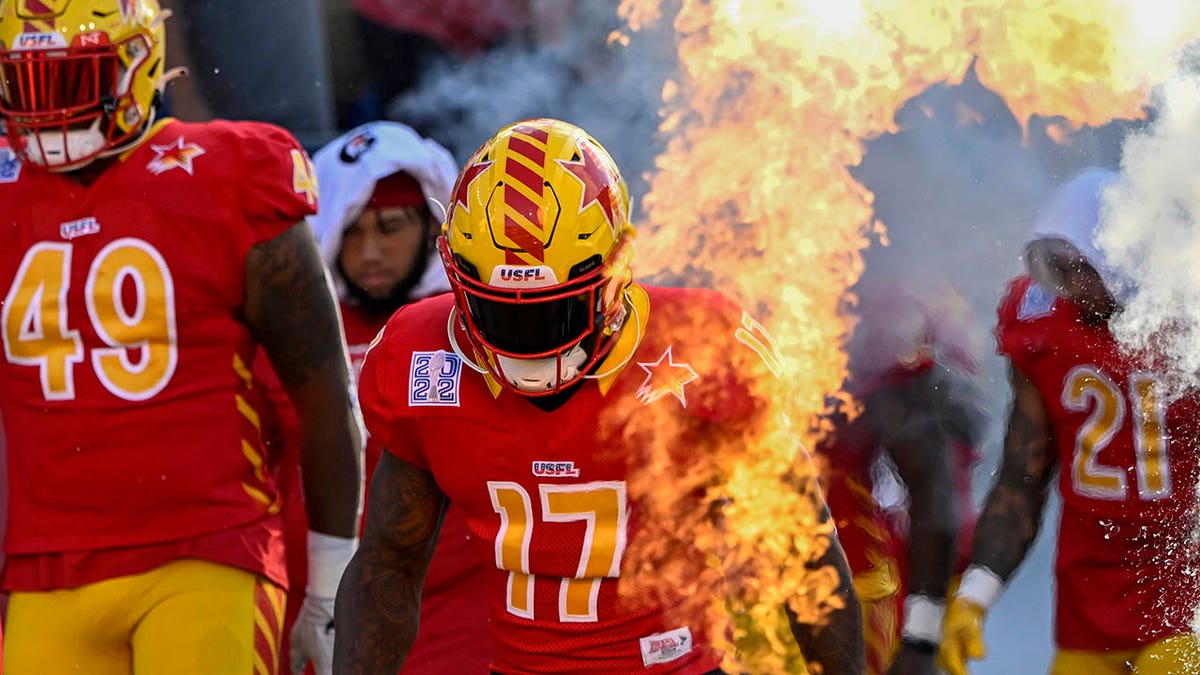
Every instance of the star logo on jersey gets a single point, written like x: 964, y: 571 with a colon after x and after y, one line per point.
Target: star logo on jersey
x: 177, y: 155
x: 597, y: 180
x: 463, y: 188
x: 663, y: 377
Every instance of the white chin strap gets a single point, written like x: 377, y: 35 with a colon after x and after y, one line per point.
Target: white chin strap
x: 55, y: 150
x: 537, y: 375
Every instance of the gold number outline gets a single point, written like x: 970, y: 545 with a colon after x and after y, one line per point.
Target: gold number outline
x: 117, y: 350
x: 34, y: 301
x: 515, y: 532
x: 33, y: 304
x: 1086, y: 388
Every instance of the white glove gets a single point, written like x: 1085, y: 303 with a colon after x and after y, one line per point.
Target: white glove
x: 312, y: 636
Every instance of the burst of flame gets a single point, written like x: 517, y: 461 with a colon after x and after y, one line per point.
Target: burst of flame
x: 752, y: 194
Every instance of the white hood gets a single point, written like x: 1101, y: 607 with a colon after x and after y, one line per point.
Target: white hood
x: 1073, y: 212
x: 347, y: 169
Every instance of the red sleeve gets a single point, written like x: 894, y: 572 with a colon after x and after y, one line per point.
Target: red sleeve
x: 1023, y: 305
x: 734, y: 392
x: 278, y: 187
x: 383, y: 397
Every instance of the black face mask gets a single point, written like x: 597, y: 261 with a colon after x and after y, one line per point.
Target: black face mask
x: 536, y: 327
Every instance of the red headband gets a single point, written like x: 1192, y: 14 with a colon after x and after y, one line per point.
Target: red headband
x: 396, y: 190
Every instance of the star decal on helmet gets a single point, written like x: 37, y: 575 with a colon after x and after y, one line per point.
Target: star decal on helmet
x: 177, y: 155
x: 463, y: 188
x: 663, y: 377
x: 597, y: 181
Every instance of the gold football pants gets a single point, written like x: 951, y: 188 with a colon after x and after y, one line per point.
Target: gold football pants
x: 188, y: 617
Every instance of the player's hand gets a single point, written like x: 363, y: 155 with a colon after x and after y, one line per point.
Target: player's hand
x: 914, y: 660
x: 312, y: 636
x: 962, y: 636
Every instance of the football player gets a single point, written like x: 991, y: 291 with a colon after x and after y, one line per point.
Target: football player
x: 1121, y: 442
x: 913, y: 372
x: 531, y: 397
x: 381, y: 185
x: 143, y: 261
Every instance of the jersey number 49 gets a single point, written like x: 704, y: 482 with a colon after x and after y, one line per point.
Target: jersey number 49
x: 38, y: 331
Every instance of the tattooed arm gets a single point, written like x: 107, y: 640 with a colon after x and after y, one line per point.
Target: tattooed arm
x: 290, y: 309
x: 1006, y: 528
x: 835, y: 646
x: 379, y: 600
x: 1012, y: 513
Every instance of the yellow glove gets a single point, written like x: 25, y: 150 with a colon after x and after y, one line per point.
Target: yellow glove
x: 962, y: 636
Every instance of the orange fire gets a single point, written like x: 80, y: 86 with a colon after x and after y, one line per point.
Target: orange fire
x: 771, y: 103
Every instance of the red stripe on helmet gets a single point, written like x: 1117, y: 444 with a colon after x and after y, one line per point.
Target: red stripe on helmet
x: 38, y: 7
x: 523, y: 206
x: 524, y: 239
x: 525, y: 176
x: 527, y: 150
x: 537, y: 133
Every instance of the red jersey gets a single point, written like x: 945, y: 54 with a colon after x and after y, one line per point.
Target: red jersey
x: 545, y: 493
x: 1126, y: 566
x: 126, y: 394
x: 453, y: 628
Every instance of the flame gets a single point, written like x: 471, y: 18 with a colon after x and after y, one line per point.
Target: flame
x: 752, y: 195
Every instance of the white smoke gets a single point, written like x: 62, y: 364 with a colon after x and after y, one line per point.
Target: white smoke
x: 608, y: 85
x: 958, y: 189
x: 1150, y: 227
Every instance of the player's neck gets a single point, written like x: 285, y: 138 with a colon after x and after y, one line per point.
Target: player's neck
x: 89, y: 174
x: 555, y: 401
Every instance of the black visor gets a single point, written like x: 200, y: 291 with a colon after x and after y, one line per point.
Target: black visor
x: 532, y: 327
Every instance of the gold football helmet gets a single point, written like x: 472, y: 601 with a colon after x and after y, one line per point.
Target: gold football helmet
x: 78, y: 78
x: 537, y: 245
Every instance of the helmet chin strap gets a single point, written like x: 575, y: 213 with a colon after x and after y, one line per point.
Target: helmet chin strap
x: 533, y: 374
x: 151, y: 117
x: 537, y: 375
x: 55, y: 150
x: 458, y: 350
x: 629, y: 356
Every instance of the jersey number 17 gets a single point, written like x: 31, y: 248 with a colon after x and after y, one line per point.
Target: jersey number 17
x: 599, y: 504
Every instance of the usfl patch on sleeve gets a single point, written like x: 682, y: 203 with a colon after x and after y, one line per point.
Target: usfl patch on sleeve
x: 1036, y: 303
x: 433, y: 378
